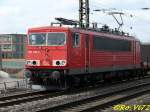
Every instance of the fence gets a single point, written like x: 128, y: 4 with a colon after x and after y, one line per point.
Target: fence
x: 7, y: 86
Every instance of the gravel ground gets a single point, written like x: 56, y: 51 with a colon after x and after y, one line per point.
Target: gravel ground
x: 14, y: 92
x: 51, y: 102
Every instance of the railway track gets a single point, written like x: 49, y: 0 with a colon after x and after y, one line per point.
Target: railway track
x: 30, y: 96
x: 45, y: 101
x: 27, y: 97
x: 100, y: 101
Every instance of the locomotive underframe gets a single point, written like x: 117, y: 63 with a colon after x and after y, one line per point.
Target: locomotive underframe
x: 61, y: 78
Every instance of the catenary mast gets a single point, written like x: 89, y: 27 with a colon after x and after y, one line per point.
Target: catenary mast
x: 84, y: 11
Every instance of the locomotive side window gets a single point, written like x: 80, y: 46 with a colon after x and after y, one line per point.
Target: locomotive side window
x: 56, y: 39
x: 37, y: 39
x: 108, y: 44
x: 76, y: 40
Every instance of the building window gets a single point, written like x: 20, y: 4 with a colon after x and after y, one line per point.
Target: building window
x: 76, y: 40
x: 6, y: 47
x: 6, y: 39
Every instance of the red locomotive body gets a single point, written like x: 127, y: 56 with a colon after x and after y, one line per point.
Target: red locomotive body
x: 70, y: 55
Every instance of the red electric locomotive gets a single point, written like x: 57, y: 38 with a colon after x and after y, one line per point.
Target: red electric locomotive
x: 63, y: 57
x: 69, y: 56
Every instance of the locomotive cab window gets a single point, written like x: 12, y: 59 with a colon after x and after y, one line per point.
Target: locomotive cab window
x: 76, y: 40
x: 37, y: 39
x: 47, y: 39
x: 56, y: 39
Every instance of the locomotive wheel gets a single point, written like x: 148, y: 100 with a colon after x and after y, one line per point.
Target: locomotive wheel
x: 55, y: 75
x: 63, y: 82
x: 60, y: 79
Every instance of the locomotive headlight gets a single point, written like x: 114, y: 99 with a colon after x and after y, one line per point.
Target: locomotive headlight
x: 33, y: 62
x: 59, y: 62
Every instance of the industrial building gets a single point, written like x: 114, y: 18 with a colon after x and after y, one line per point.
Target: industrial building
x: 12, y: 52
x: 12, y: 46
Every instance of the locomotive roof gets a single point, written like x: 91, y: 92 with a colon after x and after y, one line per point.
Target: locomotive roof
x: 145, y: 43
x: 88, y: 31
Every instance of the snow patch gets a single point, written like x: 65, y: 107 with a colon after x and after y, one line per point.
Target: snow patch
x: 4, y: 74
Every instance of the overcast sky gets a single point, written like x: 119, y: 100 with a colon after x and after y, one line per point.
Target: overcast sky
x: 16, y: 16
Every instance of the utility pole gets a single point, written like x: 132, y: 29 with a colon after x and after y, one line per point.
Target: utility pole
x: 84, y: 11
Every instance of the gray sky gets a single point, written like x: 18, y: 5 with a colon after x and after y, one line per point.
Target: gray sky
x: 16, y: 16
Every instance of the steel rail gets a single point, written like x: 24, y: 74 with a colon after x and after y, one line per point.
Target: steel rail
x: 23, y: 98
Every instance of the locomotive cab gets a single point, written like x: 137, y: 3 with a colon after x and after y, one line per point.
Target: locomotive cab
x: 46, y: 57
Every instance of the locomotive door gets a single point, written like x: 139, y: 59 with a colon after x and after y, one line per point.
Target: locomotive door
x: 87, y: 53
